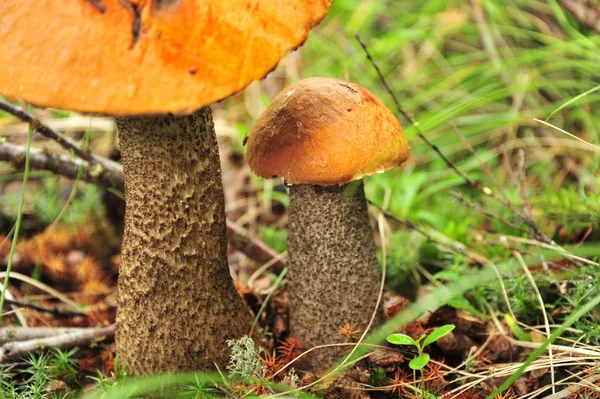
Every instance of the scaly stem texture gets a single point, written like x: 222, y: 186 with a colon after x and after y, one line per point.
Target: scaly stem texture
x: 177, y: 302
x: 334, y: 275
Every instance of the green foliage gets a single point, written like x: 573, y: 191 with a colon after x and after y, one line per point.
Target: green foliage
x: 411, y: 196
x: 419, y: 362
x: 38, y: 375
x: 402, y: 257
x: 273, y: 237
x: 239, y: 140
x: 64, y: 364
x: 48, y: 203
x: 489, y: 78
x: 585, y: 286
x: 378, y: 377
x: 46, y: 200
x: 41, y: 377
x: 572, y: 207
x: 197, y: 389
x: 107, y: 384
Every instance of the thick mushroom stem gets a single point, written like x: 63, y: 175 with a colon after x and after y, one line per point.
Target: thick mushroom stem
x: 177, y: 302
x: 334, y: 275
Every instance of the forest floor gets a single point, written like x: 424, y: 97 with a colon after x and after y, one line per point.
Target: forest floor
x: 492, y: 226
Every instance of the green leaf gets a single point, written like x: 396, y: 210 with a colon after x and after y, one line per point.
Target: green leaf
x: 573, y: 100
x: 438, y: 333
x: 419, y: 362
x: 400, y: 339
x: 460, y: 302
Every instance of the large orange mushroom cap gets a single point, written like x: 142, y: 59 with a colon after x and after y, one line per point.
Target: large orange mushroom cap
x: 325, y: 131
x: 139, y: 57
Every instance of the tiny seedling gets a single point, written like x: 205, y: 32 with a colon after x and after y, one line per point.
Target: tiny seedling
x: 419, y: 362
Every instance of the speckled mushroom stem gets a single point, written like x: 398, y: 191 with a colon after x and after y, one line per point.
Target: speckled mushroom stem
x: 177, y: 302
x: 334, y: 275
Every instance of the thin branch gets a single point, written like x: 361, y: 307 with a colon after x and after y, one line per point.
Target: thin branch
x: 41, y: 286
x: 15, y: 350
x: 410, y: 120
x: 487, y: 214
x: 15, y: 334
x: 226, y: 392
x: 68, y: 144
x: 62, y: 165
x: 46, y: 131
x: 8, y: 297
x: 486, y: 169
x: 460, y: 249
x: 54, y: 311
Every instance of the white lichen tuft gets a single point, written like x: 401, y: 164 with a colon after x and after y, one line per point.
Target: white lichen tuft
x: 244, y: 360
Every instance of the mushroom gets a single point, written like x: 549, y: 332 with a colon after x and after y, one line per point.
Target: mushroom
x: 322, y: 136
x: 158, y: 61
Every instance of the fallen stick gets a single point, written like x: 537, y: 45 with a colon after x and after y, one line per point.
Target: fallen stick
x: 63, y: 165
x: 66, y: 142
x: 14, y: 334
x: 15, y: 350
x: 55, y: 311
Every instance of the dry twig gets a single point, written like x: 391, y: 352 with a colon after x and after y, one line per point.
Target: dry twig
x: 62, y: 165
x: 487, y: 214
x: 54, y: 311
x: 15, y: 334
x: 64, y: 141
x: 15, y: 350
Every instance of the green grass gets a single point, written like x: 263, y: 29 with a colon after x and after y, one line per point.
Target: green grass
x: 18, y: 221
x: 489, y: 76
x: 44, y: 376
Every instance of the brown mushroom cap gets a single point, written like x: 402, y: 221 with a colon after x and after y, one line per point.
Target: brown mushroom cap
x: 325, y: 131
x: 138, y: 57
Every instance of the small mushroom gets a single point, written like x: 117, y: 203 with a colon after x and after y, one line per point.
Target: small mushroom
x: 322, y: 136
x: 154, y: 64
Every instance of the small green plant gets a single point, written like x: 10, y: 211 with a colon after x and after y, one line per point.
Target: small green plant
x: 274, y: 237
x: 64, y: 364
x: 198, y: 389
x: 48, y: 202
x: 378, y: 377
x: 46, y: 376
x: 106, y: 384
x: 419, y: 362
